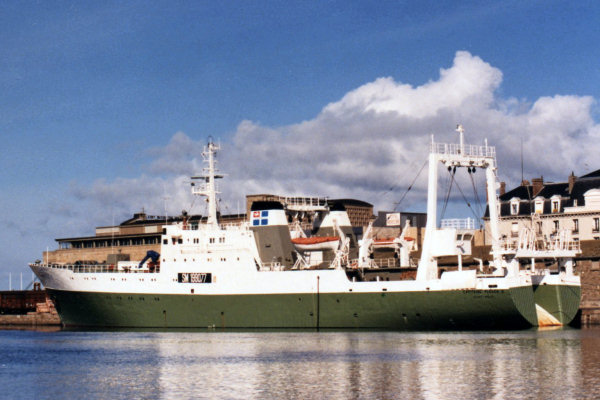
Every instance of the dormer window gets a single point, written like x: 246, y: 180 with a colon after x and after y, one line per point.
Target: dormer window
x: 539, y: 205
x: 514, y: 206
x: 555, y: 202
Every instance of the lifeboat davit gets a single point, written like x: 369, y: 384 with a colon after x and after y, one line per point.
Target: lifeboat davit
x: 388, y: 243
x: 318, y: 243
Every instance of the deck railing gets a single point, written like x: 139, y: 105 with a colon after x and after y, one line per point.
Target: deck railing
x: 225, y: 227
x: 101, y: 268
x: 458, y: 223
x: 467, y: 150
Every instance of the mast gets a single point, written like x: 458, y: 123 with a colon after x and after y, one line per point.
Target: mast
x: 427, y: 264
x: 208, y: 189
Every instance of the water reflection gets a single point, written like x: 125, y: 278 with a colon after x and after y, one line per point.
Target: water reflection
x: 311, y: 365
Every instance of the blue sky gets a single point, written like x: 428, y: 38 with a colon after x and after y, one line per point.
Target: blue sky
x: 105, y: 104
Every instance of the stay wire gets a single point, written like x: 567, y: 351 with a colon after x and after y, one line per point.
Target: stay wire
x: 477, y: 217
x: 410, y: 186
x: 451, y: 179
x: 397, y: 204
x: 477, y: 199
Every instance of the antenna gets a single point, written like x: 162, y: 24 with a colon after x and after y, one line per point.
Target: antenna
x: 522, y: 174
x: 208, y: 188
x: 165, y: 198
x: 461, y: 131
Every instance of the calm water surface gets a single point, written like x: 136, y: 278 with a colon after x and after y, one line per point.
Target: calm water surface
x: 555, y: 364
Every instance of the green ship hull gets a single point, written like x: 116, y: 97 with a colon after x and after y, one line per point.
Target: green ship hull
x: 560, y: 301
x: 433, y: 310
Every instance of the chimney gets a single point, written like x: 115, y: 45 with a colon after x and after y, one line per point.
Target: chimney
x: 524, y: 182
x: 538, y: 185
x: 572, y: 179
x: 502, y: 188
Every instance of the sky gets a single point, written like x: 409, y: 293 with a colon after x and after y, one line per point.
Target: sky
x: 105, y: 106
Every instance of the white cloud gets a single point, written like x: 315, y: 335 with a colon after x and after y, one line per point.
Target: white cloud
x: 373, y: 139
x: 470, y: 81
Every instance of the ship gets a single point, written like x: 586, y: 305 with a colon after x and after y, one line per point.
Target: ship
x: 550, y: 263
x: 251, y: 276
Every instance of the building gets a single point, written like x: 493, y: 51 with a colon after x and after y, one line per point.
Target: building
x: 549, y: 207
x: 389, y: 224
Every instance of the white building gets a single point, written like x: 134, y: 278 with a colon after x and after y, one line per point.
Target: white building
x: 549, y: 207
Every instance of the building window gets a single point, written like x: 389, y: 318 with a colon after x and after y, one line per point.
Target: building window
x: 574, y: 202
x: 539, y: 228
x: 596, y: 225
x: 556, y: 226
x: 514, y: 206
x: 539, y: 206
x: 514, y: 230
x: 575, y: 226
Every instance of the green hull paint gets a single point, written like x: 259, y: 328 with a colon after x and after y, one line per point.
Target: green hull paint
x: 561, y: 301
x: 452, y: 309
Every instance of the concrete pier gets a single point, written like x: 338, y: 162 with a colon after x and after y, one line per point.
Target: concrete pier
x: 29, y: 308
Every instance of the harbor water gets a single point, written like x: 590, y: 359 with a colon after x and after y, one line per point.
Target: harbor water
x: 532, y: 364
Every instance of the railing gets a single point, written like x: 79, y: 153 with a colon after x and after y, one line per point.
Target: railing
x: 380, y: 263
x: 225, y: 227
x: 273, y: 266
x: 560, y: 241
x: 386, y: 263
x: 304, y: 203
x: 464, y: 150
x: 458, y: 223
x: 100, y: 268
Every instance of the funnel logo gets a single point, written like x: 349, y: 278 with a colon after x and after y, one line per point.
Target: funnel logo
x: 260, y: 218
